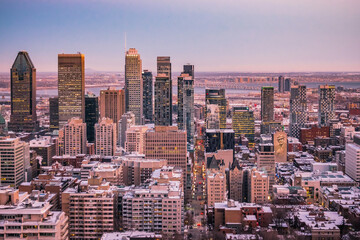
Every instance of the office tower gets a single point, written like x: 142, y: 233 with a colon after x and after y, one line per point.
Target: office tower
x: 287, y: 86
x: 259, y: 187
x: 163, y: 106
x: 12, y: 157
x: 29, y: 216
x: 164, y: 66
x: 326, y: 104
x: 91, y: 115
x: 134, y: 85
x: 94, y: 206
x: 281, y: 87
x: 215, y: 181
x: 135, y: 139
x: 71, y: 87
x: 186, y: 105
x: 267, y: 104
x: 215, y: 104
x: 127, y: 120
x: 105, y: 137
x: 189, y: 69
x: 45, y: 148
x: 352, y: 159
x: 167, y: 142
x: 243, y: 123
x: 298, y: 109
x: 112, y: 104
x: 23, y: 94
x: 54, y: 113
x: 74, y: 138
x: 219, y: 139
x: 147, y: 95
x: 265, y: 160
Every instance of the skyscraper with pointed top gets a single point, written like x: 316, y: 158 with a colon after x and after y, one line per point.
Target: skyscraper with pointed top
x: 23, y: 94
x: 134, y: 85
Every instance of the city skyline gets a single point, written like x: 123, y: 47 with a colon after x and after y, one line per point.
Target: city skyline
x: 271, y: 36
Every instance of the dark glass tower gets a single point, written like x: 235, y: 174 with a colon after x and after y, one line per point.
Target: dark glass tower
x: 91, y: 115
x: 164, y: 67
x: 186, y: 104
x: 281, y: 87
x: 216, y: 97
x: 189, y: 69
x: 267, y: 104
x: 147, y: 95
x: 23, y: 94
x: 54, y: 113
x: 243, y: 123
x: 163, y: 107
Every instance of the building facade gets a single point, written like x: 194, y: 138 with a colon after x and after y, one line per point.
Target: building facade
x: 112, y: 104
x: 186, y: 105
x: 163, y: 100
x: 298, y: 110
x: 326, y: 110
x: 267, y: 104
x: 243, y: 123
x: 23, y: 94
x: 54, y: 113
x: 134, y: 85
x: 74, y: 137
x: 215, y: 97
x: 148, y: 95
x: 91, y: 115
x: 105, y: 137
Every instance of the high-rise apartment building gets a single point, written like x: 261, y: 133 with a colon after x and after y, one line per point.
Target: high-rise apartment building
x: 112, y: 104
x: 215, y: 181
x: 91, y: 209
x: 186, y: 105
x: 13, y: 160
x: 326, y: 110
x: 281, y: 87
x: 215, y: 104
x: 23, y: 94
x: 267, y: 104
x: 134, y: 85
x: 147, y: 95
x: 54, y: 113
x: 91, y: 115
x: 239, y: 182
x: 105, y: 140
x: 135, y: 139
x: 71, y: 87
x: 74, y: 137
x: 265, y: 160
x: 127, y: 120
x: 259, y: 186
x: 243, y: 123
x: 298, y: 110
x: 167, y: 142
x: 163, y: 102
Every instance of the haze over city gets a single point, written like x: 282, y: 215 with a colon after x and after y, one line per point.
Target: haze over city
x: 238, y: 36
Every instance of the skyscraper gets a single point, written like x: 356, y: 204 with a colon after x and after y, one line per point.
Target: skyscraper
x: 298, y: 109
x: 265, y: 159
x: 189, y: 69
x: 112, y: 104
x: 163, y: 106
x: 215, y: 102
x: 127, y: 120
x: 147, y: 95
x: 287, y: 85
x: 54, y: 113
x: 326, y: 110
x: 281, y: 87
x: 243, y: 123
x: 91, y: 115
x: 186, y: 105
x: 164, y: 67
x: 71, y: 87
x: 267, y: 104
x: 23, y: 94
x: 134, y: 85
x: 105, y: 132
x: 74, y: 134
